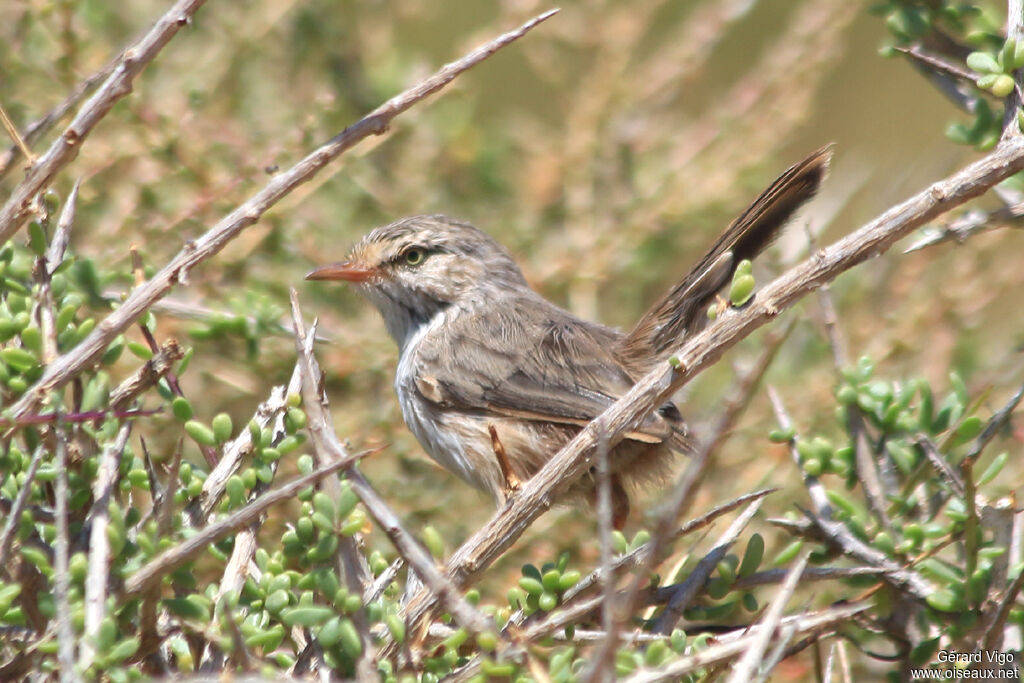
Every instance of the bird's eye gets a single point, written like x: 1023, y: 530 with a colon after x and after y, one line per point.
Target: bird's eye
x: 414, y: 257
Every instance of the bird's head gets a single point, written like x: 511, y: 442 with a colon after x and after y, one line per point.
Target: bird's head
x: 416, y: 267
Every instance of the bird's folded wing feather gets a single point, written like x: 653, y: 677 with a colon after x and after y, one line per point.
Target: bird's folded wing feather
x: 537, y: 363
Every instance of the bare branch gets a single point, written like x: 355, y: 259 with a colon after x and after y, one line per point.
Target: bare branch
x: 40, y: 126
x: 247, y: 214
x: 752, y: 658
x: 96, y: 577
x: 151, y: 572
x: 61, y: 565
x: 14, y: 514
x: 148, y: 374
x: 699, y: 576
x: 728, y: 647
x: 65, y: 148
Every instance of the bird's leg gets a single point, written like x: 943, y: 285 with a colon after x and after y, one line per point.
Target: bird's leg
x: 620, y: 502
x: 512, y: 482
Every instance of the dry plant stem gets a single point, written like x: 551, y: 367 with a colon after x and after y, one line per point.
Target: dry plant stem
x: 352, y: 564
x: 602, y: 663
x: 12, y: 131
x: 65, y: 148
x: 640, y: 555
x: 814, y: 487
x: 727, y: 647
x: 948, y: 77
x: 698, y: 577
x: 666, y: 528
x: 752, y: 659
x: 45, y: 266
x: 247, y: 214
x: 62, y: 235
x: 839, y: 536
x: 150, y: 574
x: 148, y: 374
x: 994, y: 425
x: 942, y: 468
x: 62, y: 555
x: 662, y: 594
x: 969, y: 224
x: 40, y: 126
x: 200, y: 509
x: 14, y: 515
x: 324, y: 440
x: 994, y: 628
x: 703, y: 349
x: 237, y: 568
x: 376, y: 589
x: 97, y: 574
x: 867, y: 467
x: 734, y: 408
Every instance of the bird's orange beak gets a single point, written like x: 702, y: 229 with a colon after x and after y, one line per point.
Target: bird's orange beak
x: 346, y: 270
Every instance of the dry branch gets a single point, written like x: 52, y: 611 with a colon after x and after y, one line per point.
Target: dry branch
x: 730, y: 646
x: 154, y: 570
x: 65, y: 148
x: 40, y: 126
x: 687, y: 590
x: 703, y: 349
x: 247, y: 214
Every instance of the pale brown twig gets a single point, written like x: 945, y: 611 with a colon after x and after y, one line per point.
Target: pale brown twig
x: 247, y: 214
x: 14, y: 515
x: 638, y: 556
x: 815, y: 489
x: 62, y: 556
x: 150, y: 573
x: 687, y: 590
x: 97, y: 573
x: 40, y: 126
x: 15, y: 136
x: 730, y: 645
x: 750, y: 663
x: 839, y: 536
x: 44, y: 268
x: 352, y: 563
x: 148, y: 374
x: 601, y: 664
x: 65, y: 148
x: 199, y: 510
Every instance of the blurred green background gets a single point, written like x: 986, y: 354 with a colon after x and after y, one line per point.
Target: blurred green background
x: 606, y: 149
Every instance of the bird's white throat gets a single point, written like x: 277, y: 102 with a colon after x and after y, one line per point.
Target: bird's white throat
x: 423, y: 418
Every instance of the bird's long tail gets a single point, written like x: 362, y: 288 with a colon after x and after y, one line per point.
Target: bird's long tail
x: 682, y: 310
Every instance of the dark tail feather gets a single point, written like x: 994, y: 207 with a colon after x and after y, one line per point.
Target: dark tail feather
x: 683, y: 308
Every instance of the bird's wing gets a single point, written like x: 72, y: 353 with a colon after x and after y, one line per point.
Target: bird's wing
x: 537, y: 362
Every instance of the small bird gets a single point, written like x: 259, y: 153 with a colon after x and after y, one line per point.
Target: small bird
x: 493, y: 379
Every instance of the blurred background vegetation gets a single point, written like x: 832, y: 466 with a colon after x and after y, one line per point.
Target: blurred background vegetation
x: 606, y: 150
